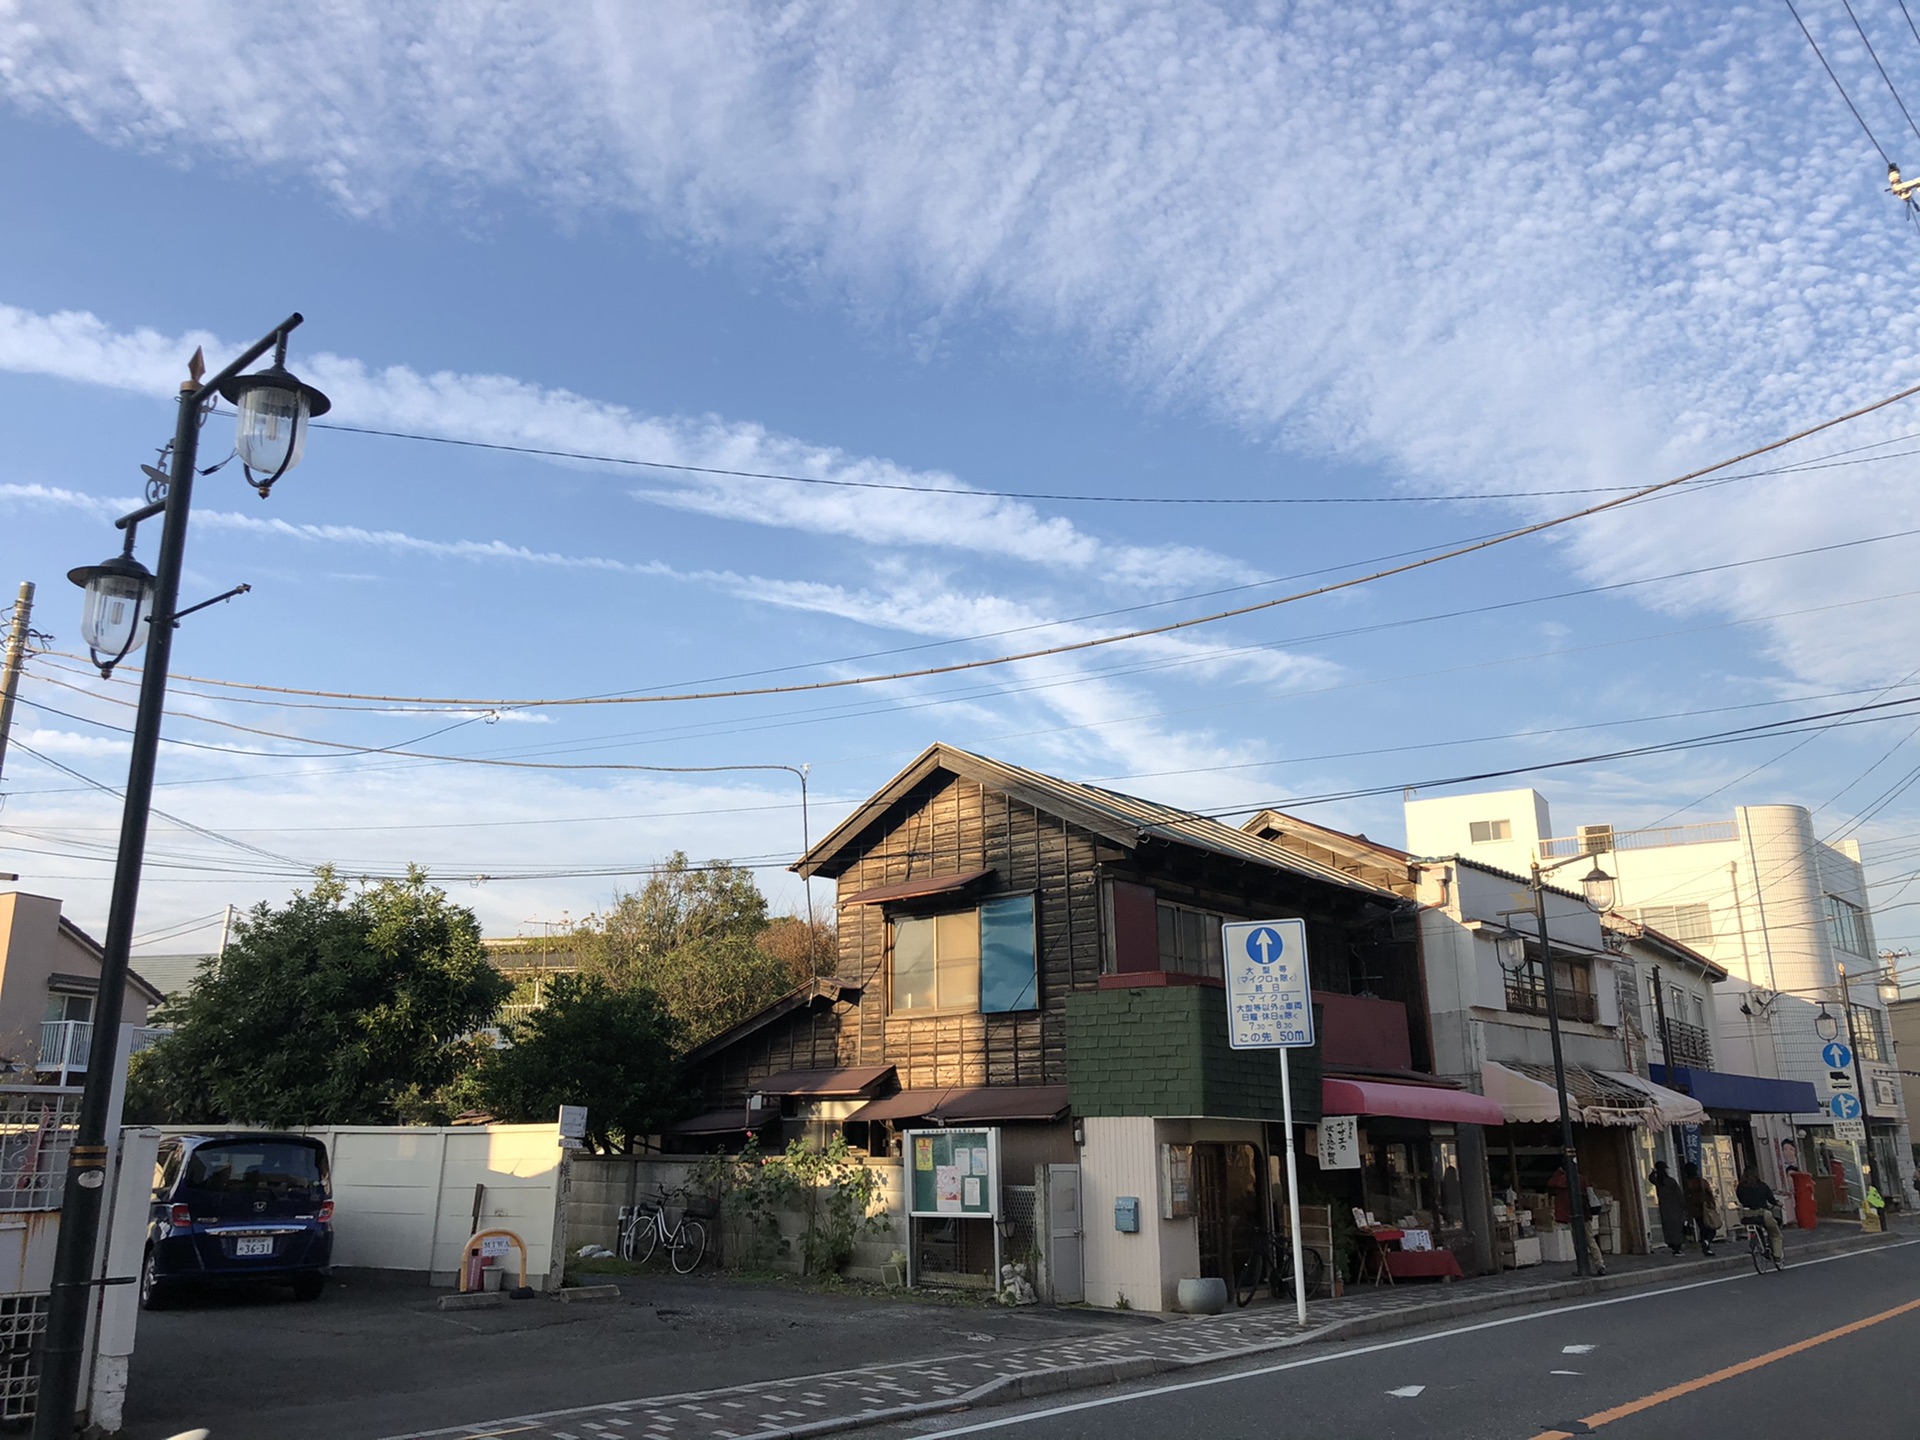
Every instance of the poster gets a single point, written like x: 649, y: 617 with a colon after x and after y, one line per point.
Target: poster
x: 970, y: 1192
x: 923, y: 1152
x: 979, y: 1159
x: 954, y: 1172
x: 946, y: 1189
x: 1339, y: 1142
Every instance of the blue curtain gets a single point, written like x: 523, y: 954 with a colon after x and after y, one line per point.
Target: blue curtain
x: 1009, y: 968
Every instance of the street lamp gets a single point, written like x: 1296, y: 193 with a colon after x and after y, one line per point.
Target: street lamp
x: 1826, y: 1026
x: 274, y: 409
x: 1598, y: 888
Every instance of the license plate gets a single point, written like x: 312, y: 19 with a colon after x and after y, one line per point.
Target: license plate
x: 261, y: 1246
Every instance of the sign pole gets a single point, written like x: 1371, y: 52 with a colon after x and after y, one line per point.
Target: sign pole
x: 1293, y: 1193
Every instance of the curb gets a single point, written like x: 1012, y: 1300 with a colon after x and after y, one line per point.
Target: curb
x: 576, y: 1294
x: 1060, y: 1379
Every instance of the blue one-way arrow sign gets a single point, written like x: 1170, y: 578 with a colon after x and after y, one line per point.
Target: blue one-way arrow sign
x: 1837, y: 1055
x: 1845, y: 1107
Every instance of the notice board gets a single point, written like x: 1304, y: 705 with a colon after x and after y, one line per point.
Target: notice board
x: 953, y: 1172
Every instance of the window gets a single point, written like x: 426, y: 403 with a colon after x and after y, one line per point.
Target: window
x: 1486, y: 832
x: 1573, y: 986
x: 282, y: 1170
x: 1866, y: 1033
x: 981, y: 959
x: 1846, y: 925
x: 1682, y: 922
x: 1190, y: 941
x: 61, y: 1006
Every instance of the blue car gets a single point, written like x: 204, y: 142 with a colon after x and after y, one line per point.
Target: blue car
x: 244, y: 1207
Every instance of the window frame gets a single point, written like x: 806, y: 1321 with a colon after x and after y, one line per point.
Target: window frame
x: 1843, y: 915
x: 977, y: 1001
x: 1499, y: 832
x: 1209, y: 923
x: 1526, y: 994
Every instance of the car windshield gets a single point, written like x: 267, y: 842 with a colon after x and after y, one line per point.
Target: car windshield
x: 279, y: 1169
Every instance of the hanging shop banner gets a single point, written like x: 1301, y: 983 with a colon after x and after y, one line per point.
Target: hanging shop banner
x: 1339, y: 1142
x: 953, y: 1173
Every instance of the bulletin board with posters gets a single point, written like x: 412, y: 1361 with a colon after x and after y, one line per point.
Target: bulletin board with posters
x: 953, y: 1173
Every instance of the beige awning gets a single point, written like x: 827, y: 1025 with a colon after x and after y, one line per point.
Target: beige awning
x: 1526, y: 1095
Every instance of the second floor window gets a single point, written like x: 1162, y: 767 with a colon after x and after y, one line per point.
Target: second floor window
x: 1190, y: 941
x: 1846, y: 925
x: 1573, y: 982
x: 1866, y: 1033
x: 1682, y: 922
x: 1486, y: 832
x: 981, y: 959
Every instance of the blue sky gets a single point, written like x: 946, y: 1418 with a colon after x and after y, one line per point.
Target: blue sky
x: 1265, y: 252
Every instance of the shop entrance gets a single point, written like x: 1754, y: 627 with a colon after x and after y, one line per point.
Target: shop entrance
x: 1226, y: 1205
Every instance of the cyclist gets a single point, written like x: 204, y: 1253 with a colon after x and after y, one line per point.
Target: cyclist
x: 1760, y: 1206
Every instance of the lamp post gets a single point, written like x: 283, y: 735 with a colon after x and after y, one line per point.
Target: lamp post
x: 274, y: 408
x: 1597, y: 886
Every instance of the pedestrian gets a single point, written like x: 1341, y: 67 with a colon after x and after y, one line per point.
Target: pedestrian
x: 1760, y: 1206
x: 1673, y: 1206
x: 1700, y: 1207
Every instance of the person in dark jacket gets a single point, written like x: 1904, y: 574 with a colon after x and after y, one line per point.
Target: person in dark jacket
x: 1700, y: 1207
x: 1758, y: 1205
x: 1673, y: 1207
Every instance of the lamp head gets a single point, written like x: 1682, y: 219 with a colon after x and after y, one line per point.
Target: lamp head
x: 1511, y: 952
x: 111, y: 618
x: 1825, y: 1024
x: 271, y: 433
x: 1598, y: 886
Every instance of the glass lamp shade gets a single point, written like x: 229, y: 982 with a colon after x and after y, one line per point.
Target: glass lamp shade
x: 275, y: 406
x: 1598, y: 886
x: 1511, y: 951
x: 113, y: 619
x: 1826, y: 1025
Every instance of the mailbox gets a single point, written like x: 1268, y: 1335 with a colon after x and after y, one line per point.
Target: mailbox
x: 1126, y: 1214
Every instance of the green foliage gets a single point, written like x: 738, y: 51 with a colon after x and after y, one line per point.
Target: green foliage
x: 691, y: 934
x: 832, y: 1191
x: 337, y: 1009
x: 609, y: 1049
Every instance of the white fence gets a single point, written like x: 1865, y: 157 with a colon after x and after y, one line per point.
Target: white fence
x: 406, y: 1198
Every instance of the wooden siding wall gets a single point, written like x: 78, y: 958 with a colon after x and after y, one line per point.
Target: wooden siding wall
x: 946, y: 826
x: 809, y: 1039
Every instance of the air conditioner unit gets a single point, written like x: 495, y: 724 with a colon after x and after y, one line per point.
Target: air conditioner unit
x: 1596, y: 839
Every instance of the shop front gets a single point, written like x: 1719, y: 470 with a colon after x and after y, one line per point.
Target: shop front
x: 1748, y: 1125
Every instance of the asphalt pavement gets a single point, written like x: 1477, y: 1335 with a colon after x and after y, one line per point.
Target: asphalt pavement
x: 1825, y: 1347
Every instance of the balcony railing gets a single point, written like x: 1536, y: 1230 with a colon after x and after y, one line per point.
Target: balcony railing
x: 1654, y: 838
x: 1690, y: 1045
x: 67, y: 1044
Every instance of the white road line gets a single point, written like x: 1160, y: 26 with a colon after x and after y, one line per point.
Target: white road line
x: 1563, y: 1372
x: 1357, y: 1351
x: 1576, y: 1349
x: 1407, y: 1392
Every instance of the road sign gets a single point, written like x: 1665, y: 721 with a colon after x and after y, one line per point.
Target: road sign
x: 1845, y: 1106
x: 1837, y: 1056
x: 1269, y: 1005
x: 1854, y: 1130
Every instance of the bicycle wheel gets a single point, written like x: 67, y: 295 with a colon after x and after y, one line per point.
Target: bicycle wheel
x: 690, y: 1246
x: 1247, y: 1279
x: 1757, y: 1251
x: 645, y: 1241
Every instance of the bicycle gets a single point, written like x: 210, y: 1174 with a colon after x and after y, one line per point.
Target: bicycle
x: 1272, y: 1260
x: 1760, y: 1248
x: 642, y: 1228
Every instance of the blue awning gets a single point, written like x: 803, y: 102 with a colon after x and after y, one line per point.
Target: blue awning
x: 1753, y: 1094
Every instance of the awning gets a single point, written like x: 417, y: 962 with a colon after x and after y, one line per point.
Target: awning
x: 736, y: 1120
x: 1749, y: 1094
x: 853, y: 1081
x: 1526, y: 1095
x: 982, y: 1103
x: 1408, y: 1102
x: 917, y: 889
x: 1674, y: 1107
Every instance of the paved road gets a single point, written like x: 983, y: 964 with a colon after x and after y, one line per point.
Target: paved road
x: 1738, y: 1358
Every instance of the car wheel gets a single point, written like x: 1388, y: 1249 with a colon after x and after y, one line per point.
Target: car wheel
x: 308, y: 1287
x: 153, y: 1294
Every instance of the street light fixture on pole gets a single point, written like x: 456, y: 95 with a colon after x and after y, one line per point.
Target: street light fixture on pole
x: 125, y: 607
x: 1597, y: 886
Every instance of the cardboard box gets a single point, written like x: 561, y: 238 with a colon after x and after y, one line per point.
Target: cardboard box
x: 1526, y: 1251
x: 1556, y: 1245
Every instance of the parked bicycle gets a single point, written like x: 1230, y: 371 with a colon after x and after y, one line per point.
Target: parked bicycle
x: 643, y: 1228
x: 1271, y: 1261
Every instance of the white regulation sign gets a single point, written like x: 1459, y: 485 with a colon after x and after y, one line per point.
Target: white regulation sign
x: 1269, y: 1006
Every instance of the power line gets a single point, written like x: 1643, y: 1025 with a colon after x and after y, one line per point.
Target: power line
x: 1167, y: 628
x: 1881, y: 68
x: 1838, y: 86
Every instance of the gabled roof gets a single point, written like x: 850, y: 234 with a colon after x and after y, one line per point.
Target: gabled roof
x: 1354, y: 855
x: 799, y: 998
x: 1486, y: 869
x: 1679, y: 949
x: 1125, y: 820
x: 95, y: 949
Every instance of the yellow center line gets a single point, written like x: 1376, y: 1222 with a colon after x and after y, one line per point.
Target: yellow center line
x: 1688, y: 1387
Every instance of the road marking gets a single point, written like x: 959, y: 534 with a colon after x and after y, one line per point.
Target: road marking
x: 1576, y: 1349
x: 1745, y: 1367
x: 1407, y: 1392
x: 1563, y: 1372
x: 1525, y: 1317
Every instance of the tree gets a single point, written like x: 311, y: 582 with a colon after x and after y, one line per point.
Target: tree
x: 609, y: 1048
x: 692, y: 935
x: 807, y: 952
x: 336, y: 1009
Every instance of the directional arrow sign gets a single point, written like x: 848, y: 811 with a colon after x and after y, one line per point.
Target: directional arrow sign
x: 1845, y: 1107
x: 1269, y: 1006
x: 1837, y: 1055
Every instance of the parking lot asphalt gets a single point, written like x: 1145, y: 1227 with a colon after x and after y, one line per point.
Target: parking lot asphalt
x: 373, y: 1358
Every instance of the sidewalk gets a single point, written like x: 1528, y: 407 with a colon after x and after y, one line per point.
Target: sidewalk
x: 874, y: 1395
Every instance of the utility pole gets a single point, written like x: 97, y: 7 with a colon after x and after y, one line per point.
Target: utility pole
x: 10, y: 668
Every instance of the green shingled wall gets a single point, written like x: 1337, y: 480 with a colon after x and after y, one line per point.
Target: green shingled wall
x: 1164, y: 1051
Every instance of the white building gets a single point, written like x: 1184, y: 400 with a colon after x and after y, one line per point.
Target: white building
x: 1761, y: 895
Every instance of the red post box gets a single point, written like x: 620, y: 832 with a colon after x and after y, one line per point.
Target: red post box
x: 1805, y: 1214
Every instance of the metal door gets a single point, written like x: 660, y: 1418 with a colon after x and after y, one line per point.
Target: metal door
x: 1065, y: 1282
